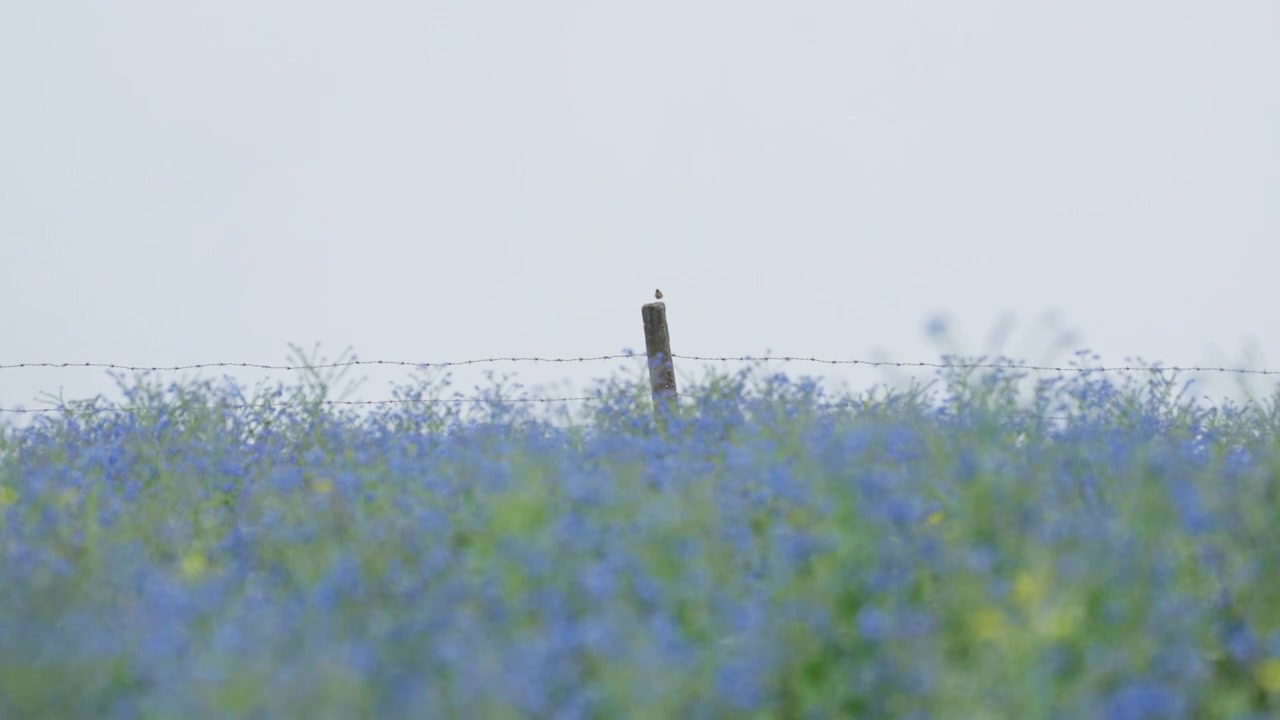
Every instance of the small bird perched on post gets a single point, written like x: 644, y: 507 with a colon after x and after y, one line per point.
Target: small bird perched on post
x: 657, y: 294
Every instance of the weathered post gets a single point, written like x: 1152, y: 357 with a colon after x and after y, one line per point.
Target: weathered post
x: 662, y: 369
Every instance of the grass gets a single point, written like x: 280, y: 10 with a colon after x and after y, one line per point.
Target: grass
x: 1092, y: 546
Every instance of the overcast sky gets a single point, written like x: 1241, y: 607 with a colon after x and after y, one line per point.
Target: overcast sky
x: 186, y: 182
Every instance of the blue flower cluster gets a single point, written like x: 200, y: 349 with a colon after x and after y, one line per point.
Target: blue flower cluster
x: 982, y: 546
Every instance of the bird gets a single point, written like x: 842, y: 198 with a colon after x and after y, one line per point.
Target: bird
x: 657, y: 294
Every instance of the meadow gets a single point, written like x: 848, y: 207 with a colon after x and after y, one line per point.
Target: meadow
x: 987, y: 545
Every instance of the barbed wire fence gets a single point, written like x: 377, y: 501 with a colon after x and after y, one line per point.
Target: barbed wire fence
x: 658, y: 355
x: 980, y: 365
x: 623, y: 356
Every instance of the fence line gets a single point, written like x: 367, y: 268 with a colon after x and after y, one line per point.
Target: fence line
x: 319, y: 366
x: 270, y: 405
x: 626, y: 356
x: 984, y: 365
x: 437, y: 401
x: 404, y: 401
x: 580, y: 398
x: 658, y: 355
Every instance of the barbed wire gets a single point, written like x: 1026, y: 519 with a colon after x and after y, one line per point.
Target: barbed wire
x: 624, y: 356
x: 87, y: 406
x: 303, y: 403
x: 976, y: 365
x: 91, y: 409
x: 986, y: 365
x: 318, y: 366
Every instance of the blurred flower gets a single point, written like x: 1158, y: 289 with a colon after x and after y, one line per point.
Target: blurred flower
x: 990, y: 624
x: 1268, y: 675
x: 194, y: 565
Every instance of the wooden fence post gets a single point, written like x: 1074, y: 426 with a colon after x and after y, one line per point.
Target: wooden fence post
x: 662, y: 368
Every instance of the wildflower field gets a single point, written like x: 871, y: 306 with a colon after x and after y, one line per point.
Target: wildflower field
x: 1089, y: 545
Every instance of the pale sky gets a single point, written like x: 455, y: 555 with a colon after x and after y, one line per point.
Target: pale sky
x: 201, y: 181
